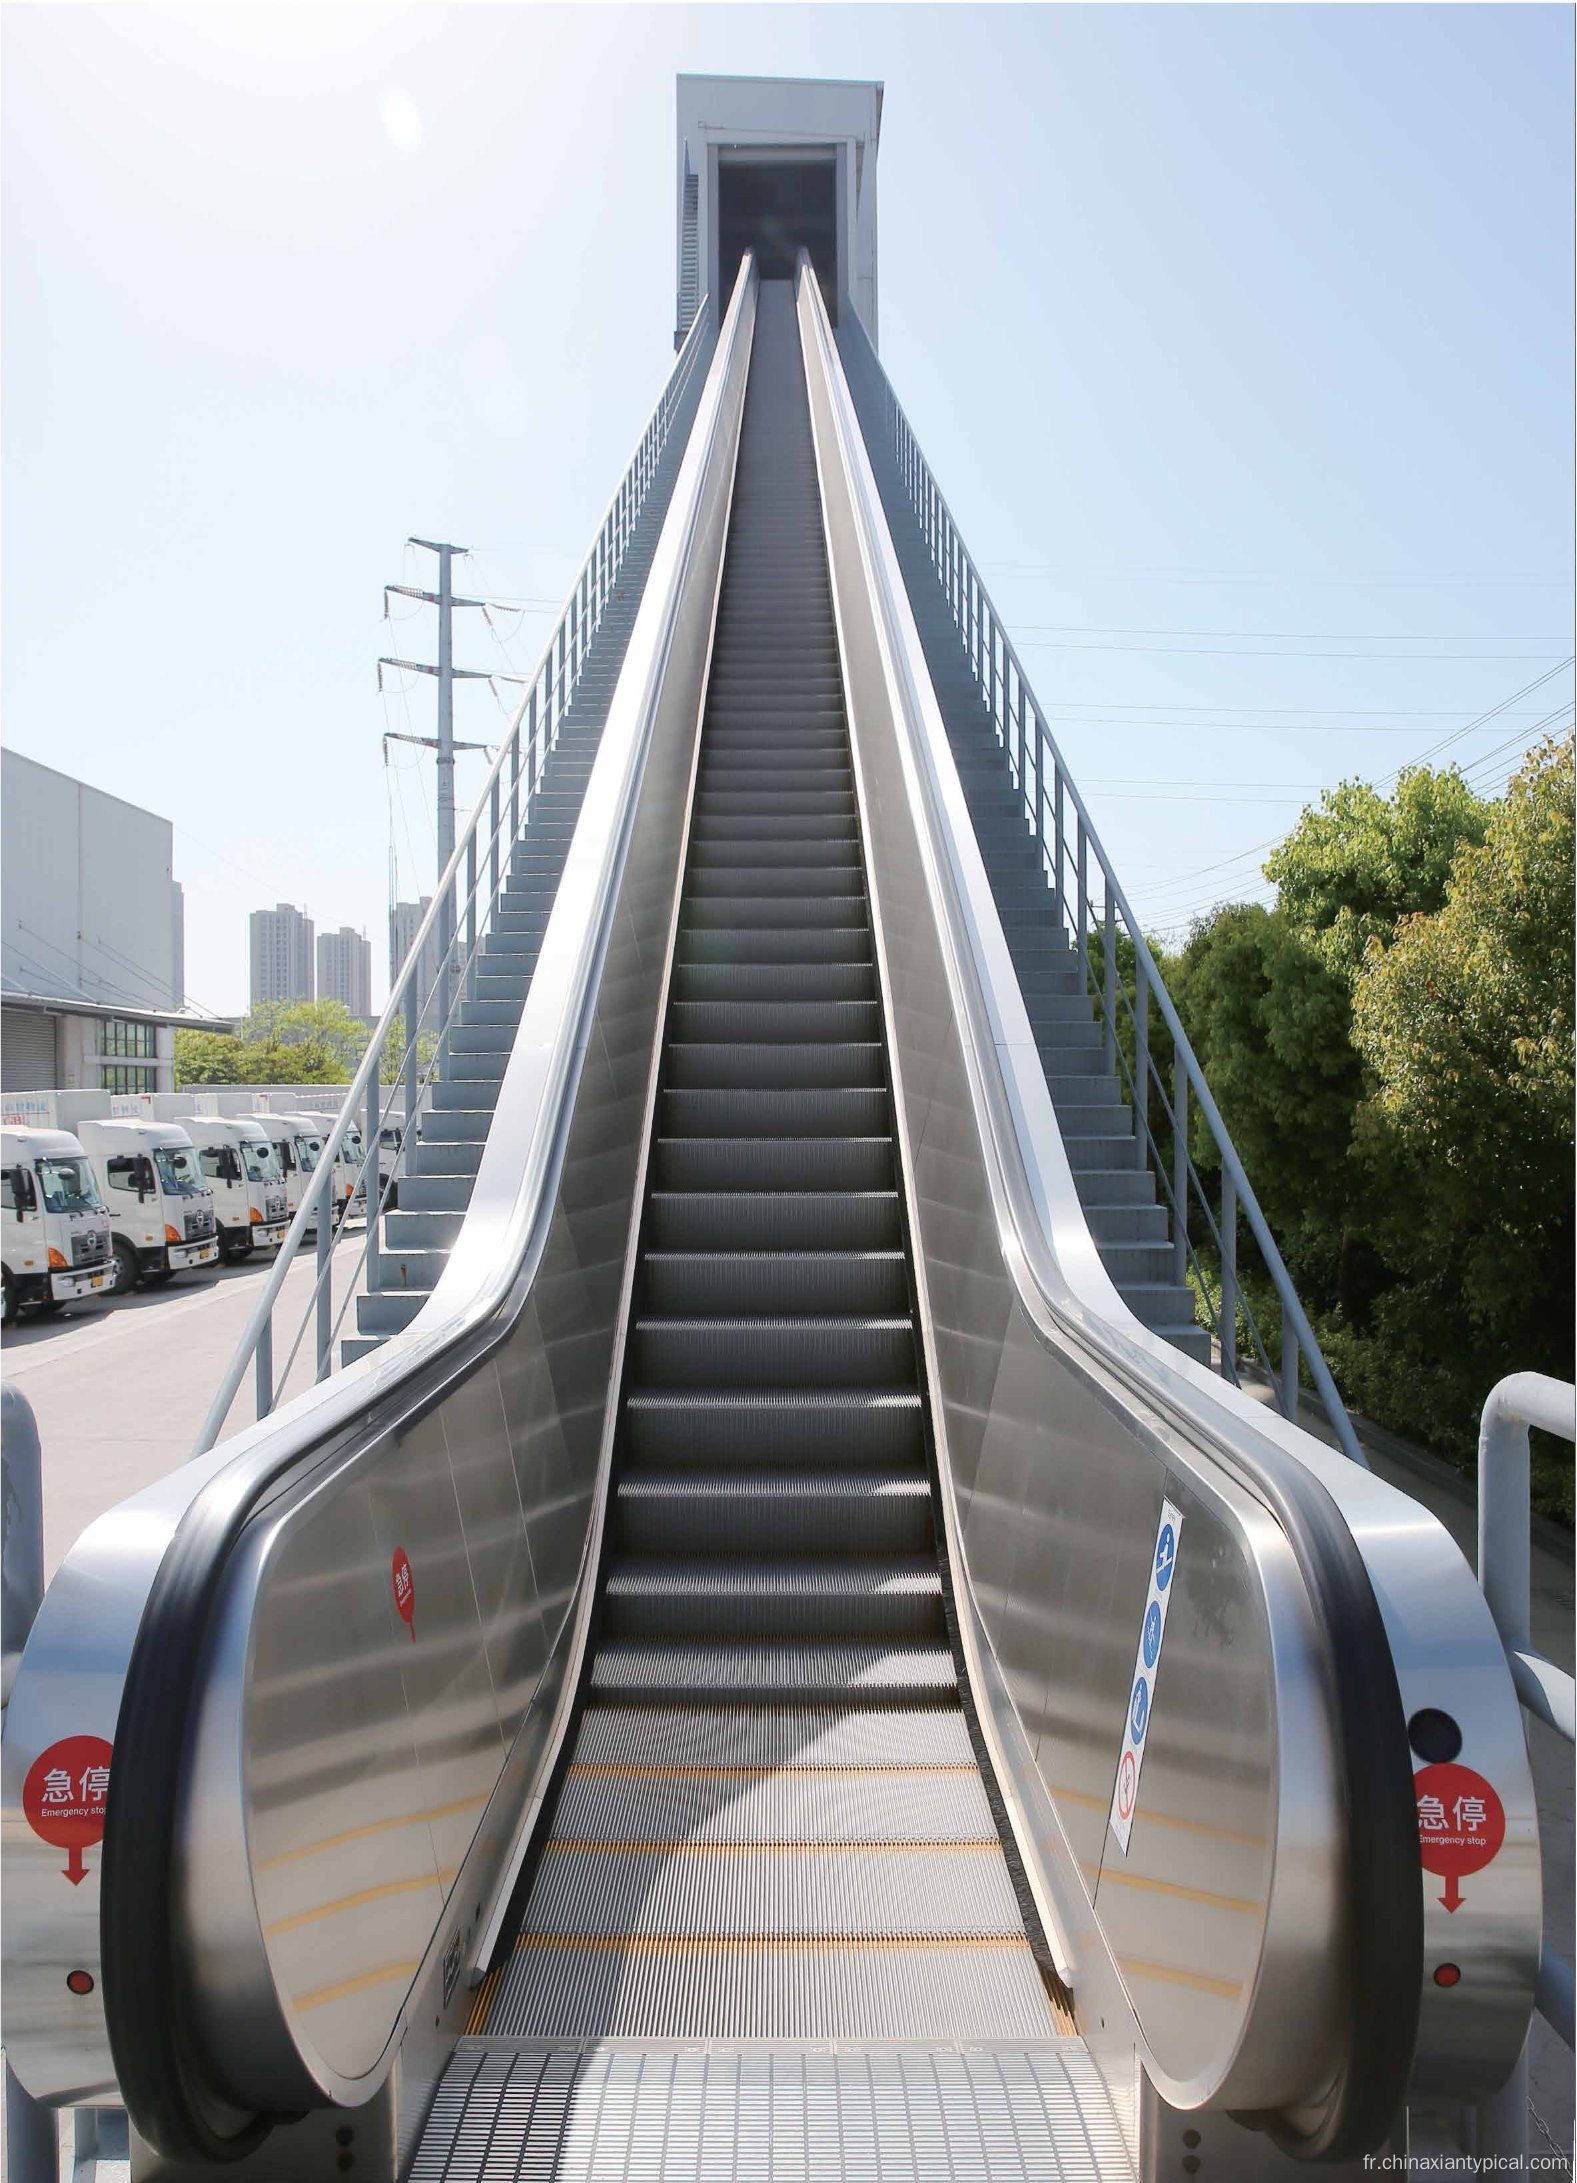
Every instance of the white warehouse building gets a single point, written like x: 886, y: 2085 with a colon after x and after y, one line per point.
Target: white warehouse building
x: 92, y: 937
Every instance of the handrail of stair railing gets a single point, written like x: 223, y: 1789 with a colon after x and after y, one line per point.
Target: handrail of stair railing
x: 455, y: 925
x: 1046, y: 792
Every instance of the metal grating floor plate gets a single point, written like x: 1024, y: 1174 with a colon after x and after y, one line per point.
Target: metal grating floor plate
x: 1030, y: 2114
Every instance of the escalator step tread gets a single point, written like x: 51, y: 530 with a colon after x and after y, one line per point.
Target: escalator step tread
x: 772, y: 1824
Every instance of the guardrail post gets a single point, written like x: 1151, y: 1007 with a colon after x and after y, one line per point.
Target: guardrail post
x: 1179, y: 1170
x: 32, y: 2131
x: 1229, y: 1276
x: 469, y: 980
x: 1084, y: 910
x: 1109, y: 981
x: 21, y: 1529
x: 1060, y: 889
x: 1289, y: 1365
x: 326, y: 1262
x: 263, y: 1400
x: 32, y: 2135
x: 493, y: 823
x: 373, y: 1174
x: 1141, y: 1049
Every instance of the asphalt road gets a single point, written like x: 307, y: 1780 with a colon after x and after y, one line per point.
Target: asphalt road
x: 120, y: 1389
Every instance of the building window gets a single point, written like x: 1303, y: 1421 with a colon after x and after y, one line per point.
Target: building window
x: 131, y: 1041
x: 123, y: 1076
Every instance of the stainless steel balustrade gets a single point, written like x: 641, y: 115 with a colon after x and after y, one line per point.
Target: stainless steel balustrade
x: 1266, y: 1943
x: 1058, y: 821
x: 348, y: 1810
x: 1546, y: 1691
x: 392, y: 1076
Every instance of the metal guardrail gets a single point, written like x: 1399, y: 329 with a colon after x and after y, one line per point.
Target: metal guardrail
x: 404, y: 1053
x: 1524, y: 1400
x: 1087, y: 898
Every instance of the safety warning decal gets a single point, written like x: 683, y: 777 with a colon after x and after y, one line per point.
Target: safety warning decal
x: 1461, y: 1825
x: 1141, y: 1695
x: 64, y: 1796
x: 404, y: 1587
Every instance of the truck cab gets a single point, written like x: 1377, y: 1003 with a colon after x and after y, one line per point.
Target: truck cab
x: 160, y: 1206
x: 242, y: 1170
x: 54, y: 1229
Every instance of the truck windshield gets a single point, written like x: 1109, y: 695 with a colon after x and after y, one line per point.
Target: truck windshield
x: 261, y: 1165
x: 68, y: 1187
x: 179, y: 1172
x: 307, y: 1150
x: 350, y: 1147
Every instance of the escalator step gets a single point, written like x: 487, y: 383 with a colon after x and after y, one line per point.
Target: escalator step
x: 856, y: 1425
x: 761, y: 1674
x: 739, y: 1220
x: 866, y: 1282
x: 799, y: 1512
x: 772, y: 1352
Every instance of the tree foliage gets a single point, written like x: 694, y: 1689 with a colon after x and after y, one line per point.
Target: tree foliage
x: 1359, y: 862
x: 1391, y: 1047
x: 1465, y: 1025
x: 290, y: 1042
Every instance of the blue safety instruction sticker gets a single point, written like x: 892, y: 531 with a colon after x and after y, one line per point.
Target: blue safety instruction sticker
x: 1141, y: 1695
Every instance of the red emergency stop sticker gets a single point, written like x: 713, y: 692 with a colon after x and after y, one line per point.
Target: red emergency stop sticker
x: 404, y: 1590
x: 1461, y: 1825
x: 64, y: 1796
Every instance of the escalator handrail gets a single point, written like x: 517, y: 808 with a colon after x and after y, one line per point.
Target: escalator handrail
x: 1381, y: 1851
x: 148, y: 2012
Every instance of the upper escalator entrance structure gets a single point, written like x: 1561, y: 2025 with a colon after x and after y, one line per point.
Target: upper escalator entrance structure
x: 776, y: 168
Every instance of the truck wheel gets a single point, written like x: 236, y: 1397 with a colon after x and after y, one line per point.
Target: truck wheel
x: 127, y: 1271
x: 7, y: 1299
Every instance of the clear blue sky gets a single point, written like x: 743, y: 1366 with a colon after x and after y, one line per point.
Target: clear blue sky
x: 1240, y: 339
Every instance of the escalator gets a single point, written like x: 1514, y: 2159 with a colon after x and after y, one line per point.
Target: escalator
x: 773, y: 1823
x: 659, y: 1713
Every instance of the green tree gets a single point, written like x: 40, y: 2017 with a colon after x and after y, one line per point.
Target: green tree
x: 1358, y: 862
x: 1269, y: 1022
x: 1465, y: 1023
x: 209, y: 1057
x: 325, y: 1025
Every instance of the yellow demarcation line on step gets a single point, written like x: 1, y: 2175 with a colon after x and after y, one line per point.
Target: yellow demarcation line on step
x: 745, y: 1847
x: 655, y: 1944
x: 481, y: 2007
x: 751, y: 1773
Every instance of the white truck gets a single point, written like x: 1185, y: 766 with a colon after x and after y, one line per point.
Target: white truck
x: 54, y: 1230
x: 161, y: 1208
x: 242, y: 1170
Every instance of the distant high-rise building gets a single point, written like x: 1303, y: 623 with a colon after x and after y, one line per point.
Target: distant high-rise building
x: 281, y: 955
x: 345, y: 970
x: 404, y: 923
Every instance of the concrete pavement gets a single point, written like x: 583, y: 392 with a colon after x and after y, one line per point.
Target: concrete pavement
x: 120, y: 1390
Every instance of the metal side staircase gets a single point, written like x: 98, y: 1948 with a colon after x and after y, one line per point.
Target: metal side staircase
x: 1116, y: 1187
x: 772, y: 1831
x: 440, y: 1169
